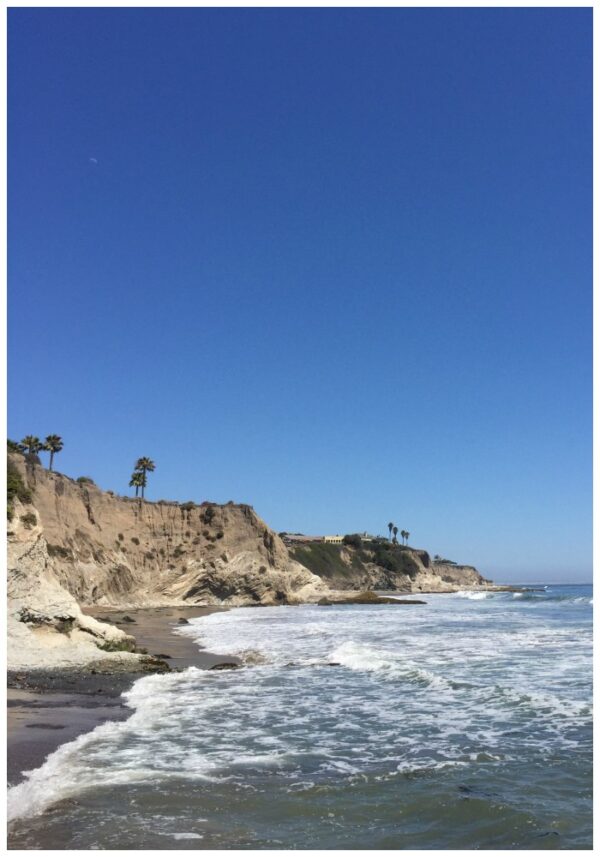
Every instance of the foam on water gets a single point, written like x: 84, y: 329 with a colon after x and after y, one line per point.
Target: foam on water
x: 87, y: 761
x: 472, y: 596
x: 346, y: 692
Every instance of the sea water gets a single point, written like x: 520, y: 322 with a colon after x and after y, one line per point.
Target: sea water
x: 462, y: 723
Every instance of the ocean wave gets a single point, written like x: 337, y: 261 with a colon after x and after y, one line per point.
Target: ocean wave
x: 547, y: 597
x: 356, y: 656
x: 429, y: 688
x: 61, y: 776
x: 544, y: 703
x: 472, y: 596
x: 84, y: 763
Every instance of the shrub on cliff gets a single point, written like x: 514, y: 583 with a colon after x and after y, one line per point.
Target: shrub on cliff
x: 353, y: 540
x: 209, y: 514
x: 394, y: 558
x: 15, y: 489
x: 29, y: 520
x: 59, y: 550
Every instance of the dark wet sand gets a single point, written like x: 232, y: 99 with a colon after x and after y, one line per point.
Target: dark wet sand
x: 48, y: 709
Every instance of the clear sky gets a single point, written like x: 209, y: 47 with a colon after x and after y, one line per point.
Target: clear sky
x: 333, y: 263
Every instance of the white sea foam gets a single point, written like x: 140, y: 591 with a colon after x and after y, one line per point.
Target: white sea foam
x: 184, y: 835
x: 414, y: 767
x: 472, y: 596
x: 415, y: 689
x: 85, y: 762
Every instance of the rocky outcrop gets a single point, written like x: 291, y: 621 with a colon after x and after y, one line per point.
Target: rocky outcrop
x: 462, y: 576
x: 46, y: 627
x: 119, y: 551
x: 366, y: 598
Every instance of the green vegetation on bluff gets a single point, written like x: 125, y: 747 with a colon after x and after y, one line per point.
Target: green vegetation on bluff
x: 324, y: 559
x: 15, y: 489
x: 393, y: 558
x: 345, y: 561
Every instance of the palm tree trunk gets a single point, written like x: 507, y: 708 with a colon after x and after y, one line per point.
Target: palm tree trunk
x: 51, y: 459
x: 143, y: 482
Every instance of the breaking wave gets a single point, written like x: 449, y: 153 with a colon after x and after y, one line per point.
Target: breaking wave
x: 351, y: 692
x: 472, y: 596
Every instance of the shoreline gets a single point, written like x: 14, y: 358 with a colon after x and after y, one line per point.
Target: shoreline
x: 48, y: 708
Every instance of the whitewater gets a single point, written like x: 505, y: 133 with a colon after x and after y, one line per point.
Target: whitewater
x: 462, y: 723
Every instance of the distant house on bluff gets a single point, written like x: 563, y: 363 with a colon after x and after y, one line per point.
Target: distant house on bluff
x: 292, y: 539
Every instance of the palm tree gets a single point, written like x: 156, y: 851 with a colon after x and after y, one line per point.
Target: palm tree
x: 52, y: 444
x: 390, y: 528
x: 406, y: 535
x: 30, y: 444
x: 138, y: 480
x: 144, y: 465
x: 402, y: 534
x: 395, y: 531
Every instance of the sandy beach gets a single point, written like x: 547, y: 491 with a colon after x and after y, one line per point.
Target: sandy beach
x: 47, y: 709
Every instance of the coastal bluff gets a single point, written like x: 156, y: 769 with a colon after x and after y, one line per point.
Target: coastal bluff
x: 73, y: 545
x: 120, y: 551
x: 385, y: 567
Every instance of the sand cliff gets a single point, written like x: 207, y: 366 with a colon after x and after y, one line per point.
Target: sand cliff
x: 75, y: 544
x: 71, y: 544
x: 120, y: 551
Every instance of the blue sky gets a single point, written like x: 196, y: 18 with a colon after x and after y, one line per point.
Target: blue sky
x: 333, y: 263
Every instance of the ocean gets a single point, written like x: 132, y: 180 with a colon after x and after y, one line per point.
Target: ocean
x: 462, y: 723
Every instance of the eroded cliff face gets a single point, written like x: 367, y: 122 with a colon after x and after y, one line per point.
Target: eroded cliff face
x: 45, y: 626
x: 119, y: 551
x: 458, y: 575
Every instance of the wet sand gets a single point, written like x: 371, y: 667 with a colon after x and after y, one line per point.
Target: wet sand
x: 47, y: 709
